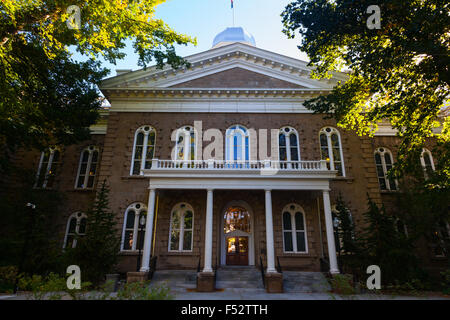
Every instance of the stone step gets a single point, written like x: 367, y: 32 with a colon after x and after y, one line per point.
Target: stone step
x: 299, y: 281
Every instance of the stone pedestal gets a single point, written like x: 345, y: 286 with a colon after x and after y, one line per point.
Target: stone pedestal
x: 137, y: 277
x: 274, y: 282
x: 205, y: 282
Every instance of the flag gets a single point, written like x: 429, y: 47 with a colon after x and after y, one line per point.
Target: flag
x: 231, y: 4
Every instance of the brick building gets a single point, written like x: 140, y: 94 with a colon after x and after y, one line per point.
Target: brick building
x: 227, y: 164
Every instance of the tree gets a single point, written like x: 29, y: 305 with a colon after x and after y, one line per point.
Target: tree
x: 97, y: 251
x: 399, y: 72
x: 46, y: 98
x: 386, y: 247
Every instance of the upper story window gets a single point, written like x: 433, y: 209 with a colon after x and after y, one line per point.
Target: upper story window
x: 185, y: 148
x: 143, y: 149
x: 384, y: 163
x: 331, y: 149
x: 288, y: 144
x: 133, y: 231
x: 181, y: 228
x: 294, y: 229
x: 48, y: 166
x: 237, y: 144
x: 76, y: 227
x: 426, y: 160
x: 87, y: 168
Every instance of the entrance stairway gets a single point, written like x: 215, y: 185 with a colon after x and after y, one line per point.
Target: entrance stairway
x: 176, y: 280
x: 301, y: 281
x: 239, y: 278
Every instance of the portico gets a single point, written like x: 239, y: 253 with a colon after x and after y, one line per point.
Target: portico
x: 215, y: 177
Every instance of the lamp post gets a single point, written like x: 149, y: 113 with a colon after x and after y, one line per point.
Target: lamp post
x: 142, y: 221
x: 25, y: 244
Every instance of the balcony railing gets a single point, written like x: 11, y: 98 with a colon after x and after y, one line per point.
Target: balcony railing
x: 215, y: 165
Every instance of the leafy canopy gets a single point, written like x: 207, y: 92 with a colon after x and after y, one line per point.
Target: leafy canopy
x: 399, y: 72
x: 45, y: 96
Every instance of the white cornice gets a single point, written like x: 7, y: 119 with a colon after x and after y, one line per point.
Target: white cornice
x: 223, y: 58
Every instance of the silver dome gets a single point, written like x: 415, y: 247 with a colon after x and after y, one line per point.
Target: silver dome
x: 235, y: 34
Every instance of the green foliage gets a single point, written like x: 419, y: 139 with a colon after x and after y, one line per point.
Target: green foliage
x: 142, y: 291
x: 342, y: 284
x: 446, y: 281
x: 8, y: 276
x: 97, y: 252
x: 35, y: 230
x: 398, y: 73
x: 386, y: 247
x: 45, y: 97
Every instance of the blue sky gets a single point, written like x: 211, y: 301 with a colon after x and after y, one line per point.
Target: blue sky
x: 204, y: 19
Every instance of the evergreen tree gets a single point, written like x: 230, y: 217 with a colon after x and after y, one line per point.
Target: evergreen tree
x: 386, y: 247
x: 97, y: 251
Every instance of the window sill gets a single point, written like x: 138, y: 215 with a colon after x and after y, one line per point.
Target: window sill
x: 296, y: 255
x: 389, y: 191
x: 179, y: 253
x: 134, y: 177
x: 347, y: 179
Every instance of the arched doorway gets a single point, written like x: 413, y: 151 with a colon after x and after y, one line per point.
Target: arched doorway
x: 237, y: 243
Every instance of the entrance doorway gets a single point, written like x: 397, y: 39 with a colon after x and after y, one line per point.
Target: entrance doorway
x: 237, y: 245
x: 237, y: 251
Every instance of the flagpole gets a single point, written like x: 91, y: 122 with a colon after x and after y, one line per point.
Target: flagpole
x: 233, y: 13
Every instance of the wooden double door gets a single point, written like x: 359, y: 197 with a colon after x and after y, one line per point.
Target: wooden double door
x: 237, y: 251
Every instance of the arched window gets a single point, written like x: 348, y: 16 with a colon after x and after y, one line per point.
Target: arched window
x: 181, y: 228
x: 294, y: 229
x: 48, y: 166
x: 384, y: 163
x: 331, y: 149
x: 133, y: 233
x: 237, y: 144
x: 288, y: 144
x: 426, y: 160
x: 87, y: 168
x: 185, y: 144
x: 76, y: 227
x: 143, y: 149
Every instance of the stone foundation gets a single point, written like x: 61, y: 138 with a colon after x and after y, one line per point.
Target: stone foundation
x: 137, y: 277
x: 274, y: 282
x: 205, y: 282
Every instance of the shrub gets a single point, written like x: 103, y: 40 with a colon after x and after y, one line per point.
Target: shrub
x: 342, y: 284
x: 141, y: 291
x: 446, y: 281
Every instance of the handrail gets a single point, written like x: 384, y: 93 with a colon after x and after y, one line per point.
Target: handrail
x: 302, y: 165
x: 262, y: 271
x: 198, y: 265
x: 153, y: 261
x: 279, y: 270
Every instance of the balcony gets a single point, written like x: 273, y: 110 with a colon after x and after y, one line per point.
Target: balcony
x: 234, y: 166
x: 219, y: 174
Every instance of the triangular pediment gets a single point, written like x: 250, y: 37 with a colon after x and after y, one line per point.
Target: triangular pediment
x: 234, y: 66
x: 237, y: 78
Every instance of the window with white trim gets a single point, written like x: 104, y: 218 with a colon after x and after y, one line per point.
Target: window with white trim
x: 143, y: 149
x: 185, y: 149
x: 288, y: 144
x: 384, y: 163
x: 133, y: 234
x: 331, y: 149
x: 76, y: 227
x: 181, y: 228
x: 87, y: 168
x: 426, y: 160
x: 48, y: 167
x: 237, y: 145
x: 294, y: 229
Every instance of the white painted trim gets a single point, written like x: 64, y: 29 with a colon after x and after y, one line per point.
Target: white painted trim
x: 293, y: 230
x: 144, y: 147
x: 330, y: 147
x: 137, y: 213
x: 77, y: 227
x: 181, y: 235
x: 385, y: 170
x: 88, y: 167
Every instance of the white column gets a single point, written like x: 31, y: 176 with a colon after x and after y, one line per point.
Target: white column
x: 330, y: 232
x: 148, y: 232
x: 208, y: 231
x: 269, y: 234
